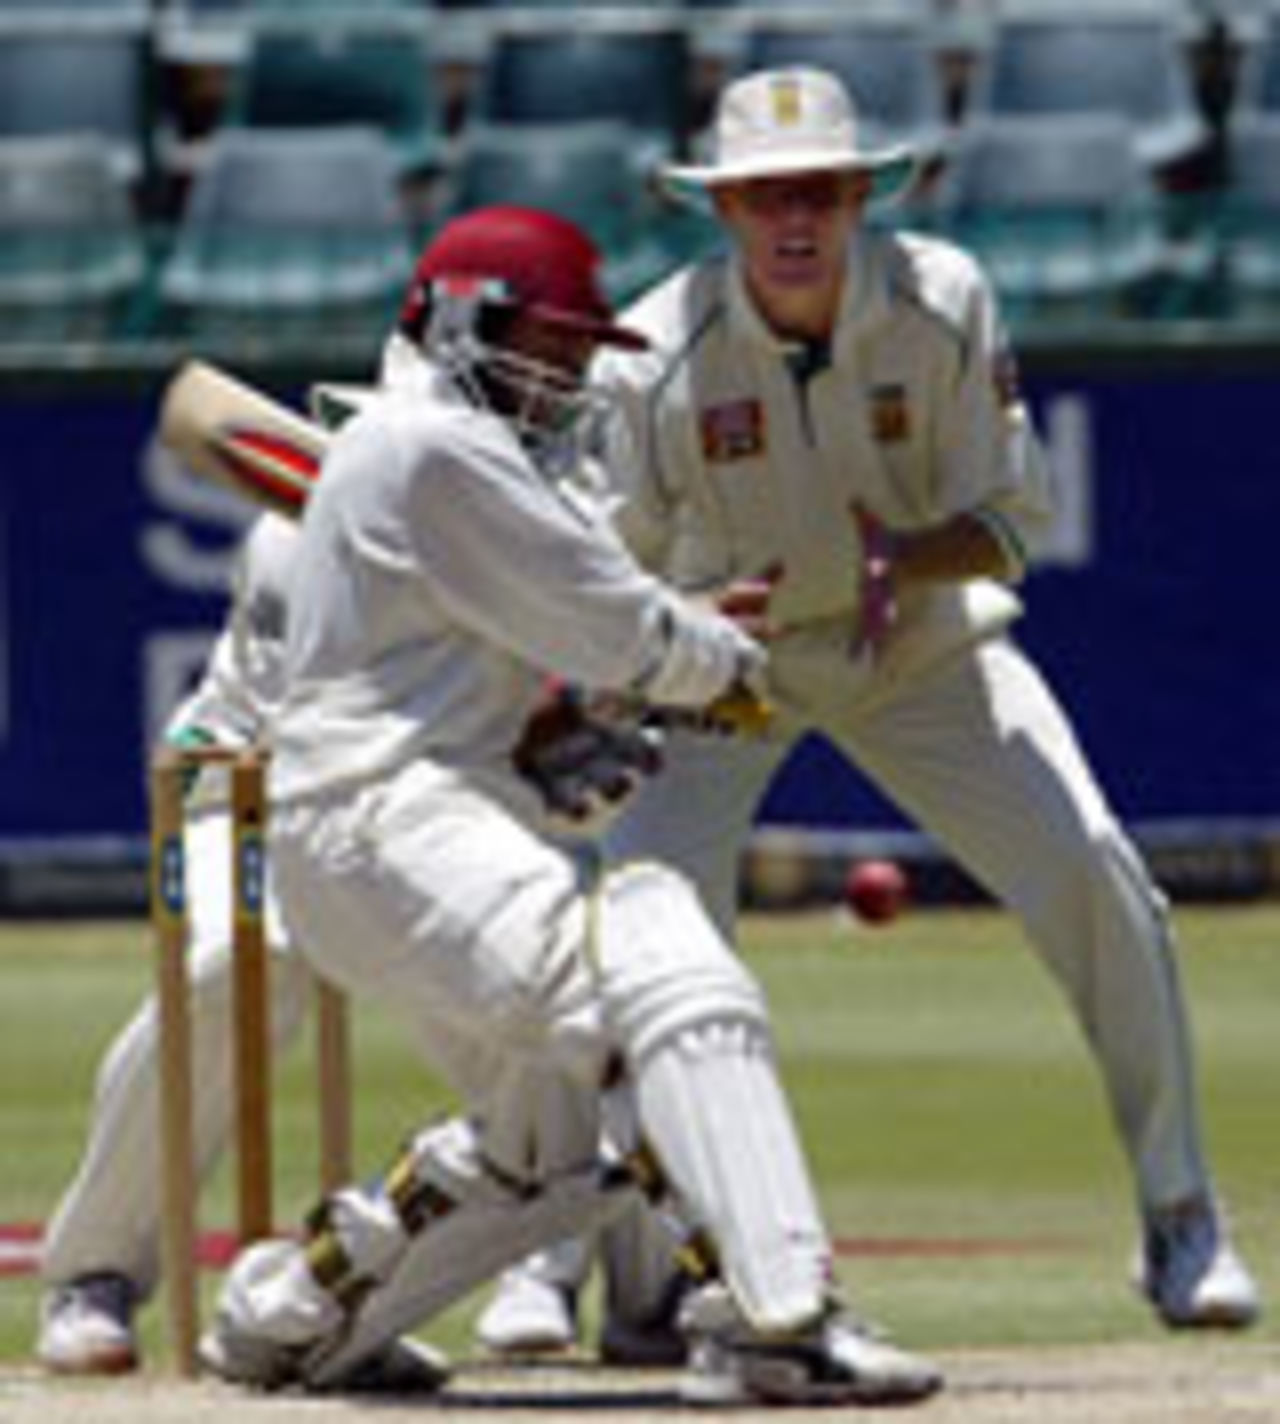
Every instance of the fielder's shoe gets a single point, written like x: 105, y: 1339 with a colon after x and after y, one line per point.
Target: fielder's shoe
x: 404, y: 1367
x: 528, y: 1316
x: 836, y: 1362
x: 1190, y: 1271
x: 86, y: 1327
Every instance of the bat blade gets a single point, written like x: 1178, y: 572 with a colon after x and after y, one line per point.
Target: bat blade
x: 234, y: 435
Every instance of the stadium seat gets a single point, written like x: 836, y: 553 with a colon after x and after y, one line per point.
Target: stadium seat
x: 637, y: 74
x: 377, y: 74
x: 1061, y: 211
x: 342, y: 12
x: 72, y: 256
x: 216, y: 33
x: 72, y: 14
x: 291, y: 229
x: 889, y: 62
x: 1249, y: 219
x: 564, y: 6
x: 89, y: 77
x: 586, y: 172
x: 1127, y: 59
x: 1258, y: 86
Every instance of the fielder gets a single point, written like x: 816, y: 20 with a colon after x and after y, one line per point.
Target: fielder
x: 839, y: 402
x: 442, y: 570
x: 101, y: 1247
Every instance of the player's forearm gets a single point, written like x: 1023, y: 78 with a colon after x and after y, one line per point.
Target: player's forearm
x: 966, y: 546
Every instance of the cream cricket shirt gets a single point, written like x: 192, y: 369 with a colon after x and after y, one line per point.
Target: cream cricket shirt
x: 728, y: 459
x: 440, y: 578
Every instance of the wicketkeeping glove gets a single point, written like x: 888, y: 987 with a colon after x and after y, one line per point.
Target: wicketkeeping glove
x: 877, y: 594
x: 583, y: 764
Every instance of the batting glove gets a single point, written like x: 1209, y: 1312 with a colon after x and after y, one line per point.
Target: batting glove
x: 583, y: 764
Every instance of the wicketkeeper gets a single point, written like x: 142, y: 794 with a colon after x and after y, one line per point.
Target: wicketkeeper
x: 837, y: 398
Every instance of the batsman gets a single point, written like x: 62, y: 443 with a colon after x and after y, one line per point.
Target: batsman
x: 442, y: 572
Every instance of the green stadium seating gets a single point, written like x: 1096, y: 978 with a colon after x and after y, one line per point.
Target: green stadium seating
x: 290, y: 230
x: 72, y: 256
x: 1061, y: 211
x: 297, y: 74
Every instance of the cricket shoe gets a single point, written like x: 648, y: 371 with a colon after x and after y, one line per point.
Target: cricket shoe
x: 86, y: 1327
x: 836, y: 1361
x: 528, y: 1316
x: 655, y: 1339
x: 655, y: 1344
x: 1190, y: 1271
x: 403, y: 1367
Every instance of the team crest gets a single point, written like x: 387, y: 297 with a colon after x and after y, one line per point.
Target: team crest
x: 890, y: 414
x: 732, y: 431
x: 785, y: 93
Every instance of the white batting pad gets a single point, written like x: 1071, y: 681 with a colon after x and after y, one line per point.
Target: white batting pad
x: 270, y: 1295
x: 454, y: 1255
x: 662, y: 965
x: 406, y: 1254
x: 712, y: 1107
x: 692, y: 1024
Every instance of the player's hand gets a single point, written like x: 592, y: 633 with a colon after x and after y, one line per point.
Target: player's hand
x: 581, y: 763
x: 746, y: 602
x: 877, y: 585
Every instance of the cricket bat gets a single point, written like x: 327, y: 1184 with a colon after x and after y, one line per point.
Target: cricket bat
x: 234, y: 435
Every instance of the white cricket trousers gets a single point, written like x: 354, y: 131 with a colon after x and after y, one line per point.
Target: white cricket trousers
x: 421, y: 890
x: 979, y: 754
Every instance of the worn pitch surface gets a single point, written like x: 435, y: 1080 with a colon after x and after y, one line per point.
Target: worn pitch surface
x: 1184, y: 1381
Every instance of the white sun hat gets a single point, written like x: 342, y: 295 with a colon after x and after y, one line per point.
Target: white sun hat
x: 779, y: 122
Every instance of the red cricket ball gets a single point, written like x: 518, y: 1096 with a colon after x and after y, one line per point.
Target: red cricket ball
x: 876, y: 890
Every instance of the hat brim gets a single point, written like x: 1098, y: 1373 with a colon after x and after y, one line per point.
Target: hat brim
x: 600, y: 329
x: 891, y: 171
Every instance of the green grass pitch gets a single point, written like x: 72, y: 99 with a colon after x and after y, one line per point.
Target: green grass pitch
x: 953, y: 1118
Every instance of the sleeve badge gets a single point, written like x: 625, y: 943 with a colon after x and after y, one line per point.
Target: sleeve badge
x: 890, y: 414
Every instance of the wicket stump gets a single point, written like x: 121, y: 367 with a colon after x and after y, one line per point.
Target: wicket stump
x: 171, y: 771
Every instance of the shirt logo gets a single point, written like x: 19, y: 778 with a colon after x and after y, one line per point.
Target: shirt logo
x: 733, y: 431
x: 890, y: 414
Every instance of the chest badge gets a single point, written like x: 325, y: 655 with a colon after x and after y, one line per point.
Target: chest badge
x: 732, y: 431
x: 890, y: 414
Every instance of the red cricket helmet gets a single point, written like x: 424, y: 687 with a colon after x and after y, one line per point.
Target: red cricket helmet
x: 523, y: 257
